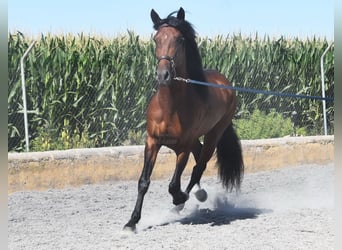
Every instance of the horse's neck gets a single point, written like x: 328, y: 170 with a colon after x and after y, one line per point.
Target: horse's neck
x: 172, y: 96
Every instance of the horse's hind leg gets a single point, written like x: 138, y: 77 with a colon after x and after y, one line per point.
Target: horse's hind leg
x: 206, y: 152
x: 196, y: 150
x: 200, y: 194
x: 179, y: 197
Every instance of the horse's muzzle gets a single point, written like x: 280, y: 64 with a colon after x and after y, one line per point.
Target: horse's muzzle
x: 164, y: 76
x: 165, y: 70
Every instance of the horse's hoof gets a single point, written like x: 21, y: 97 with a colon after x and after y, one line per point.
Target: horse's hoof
x: 201, y: 195
x: 178, y: 208
x: 180, y: 198
x: 130, y: 228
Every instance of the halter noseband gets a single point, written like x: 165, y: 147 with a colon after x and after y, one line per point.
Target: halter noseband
x: 172, y: 63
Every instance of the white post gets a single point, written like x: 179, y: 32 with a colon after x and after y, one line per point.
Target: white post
x: 323, y: 91
x: 24, y: 94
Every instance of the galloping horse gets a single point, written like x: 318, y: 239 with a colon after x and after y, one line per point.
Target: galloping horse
x: 179, y: 114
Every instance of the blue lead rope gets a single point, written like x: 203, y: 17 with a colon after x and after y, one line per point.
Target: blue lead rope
x: 255, y: 91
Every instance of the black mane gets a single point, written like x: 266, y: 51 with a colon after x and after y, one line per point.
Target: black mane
x: 194, y: 66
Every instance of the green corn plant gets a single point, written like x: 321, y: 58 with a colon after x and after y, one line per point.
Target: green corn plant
x: 96, y: 89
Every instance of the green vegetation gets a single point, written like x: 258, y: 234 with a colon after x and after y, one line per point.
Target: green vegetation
x: 86, y: 91
x: 260, y: 125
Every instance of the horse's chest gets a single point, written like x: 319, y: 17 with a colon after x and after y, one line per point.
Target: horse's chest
x: 167, y: 130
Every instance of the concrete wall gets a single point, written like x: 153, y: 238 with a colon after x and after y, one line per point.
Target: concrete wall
x: 58, y: 169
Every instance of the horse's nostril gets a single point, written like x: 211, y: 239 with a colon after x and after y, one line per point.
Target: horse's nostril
x: 166, y: 75
x: 163, y: 76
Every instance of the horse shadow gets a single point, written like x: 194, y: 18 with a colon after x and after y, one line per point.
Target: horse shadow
x: 219, y: 216
x: 222, y: 212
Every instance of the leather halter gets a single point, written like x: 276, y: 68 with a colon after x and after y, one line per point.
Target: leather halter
x: 171, y: 61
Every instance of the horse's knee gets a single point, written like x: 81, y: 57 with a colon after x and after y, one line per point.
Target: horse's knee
x: 143, y: 185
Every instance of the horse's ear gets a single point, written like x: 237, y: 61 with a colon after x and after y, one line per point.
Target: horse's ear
x: 181, y: 14
x: 155, y: 17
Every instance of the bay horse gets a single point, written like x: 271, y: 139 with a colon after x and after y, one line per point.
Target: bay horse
x: 179, y: 114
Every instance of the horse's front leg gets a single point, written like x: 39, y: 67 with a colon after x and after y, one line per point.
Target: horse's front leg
x: 150, y: 155
x: 179, y: 197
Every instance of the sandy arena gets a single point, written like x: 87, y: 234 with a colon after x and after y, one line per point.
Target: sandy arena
x: 290, y: 208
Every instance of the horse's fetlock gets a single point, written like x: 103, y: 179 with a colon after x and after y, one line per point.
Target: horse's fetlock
x: 173, y: 188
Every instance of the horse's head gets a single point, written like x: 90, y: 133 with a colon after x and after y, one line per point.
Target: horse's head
x: 170, y: 46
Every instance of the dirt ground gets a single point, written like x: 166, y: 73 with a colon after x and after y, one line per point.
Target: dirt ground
x: 291, y: 208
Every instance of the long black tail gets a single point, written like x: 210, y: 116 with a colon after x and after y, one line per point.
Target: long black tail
x: 229, y: 159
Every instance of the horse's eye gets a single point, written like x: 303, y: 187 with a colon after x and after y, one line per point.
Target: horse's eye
x: 180, y: 39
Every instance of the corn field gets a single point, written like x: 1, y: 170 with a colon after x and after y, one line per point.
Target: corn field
x: 86, y: 91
